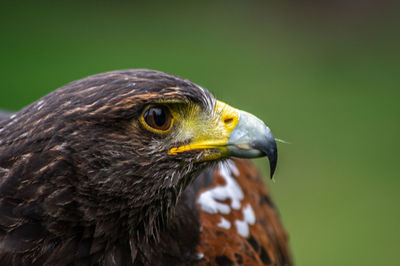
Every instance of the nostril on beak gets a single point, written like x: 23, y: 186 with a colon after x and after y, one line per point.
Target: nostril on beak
x: 228, y: 120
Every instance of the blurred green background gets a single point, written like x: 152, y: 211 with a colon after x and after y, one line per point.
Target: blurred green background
x: 323, y: 76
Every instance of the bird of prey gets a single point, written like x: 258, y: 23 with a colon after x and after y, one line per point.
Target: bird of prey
x: 136, y: 167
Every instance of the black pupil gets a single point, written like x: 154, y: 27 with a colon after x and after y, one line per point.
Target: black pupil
x: 158, y: 115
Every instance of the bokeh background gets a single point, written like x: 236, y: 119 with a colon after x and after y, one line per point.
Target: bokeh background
x: 324, y: 76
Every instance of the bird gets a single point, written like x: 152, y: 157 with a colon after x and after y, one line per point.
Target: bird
x: 136, y: 167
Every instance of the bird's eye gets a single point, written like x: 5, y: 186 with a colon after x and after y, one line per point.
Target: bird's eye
x: 158, y: 118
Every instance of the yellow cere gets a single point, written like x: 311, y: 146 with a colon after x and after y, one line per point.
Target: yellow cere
x: 213, y: 133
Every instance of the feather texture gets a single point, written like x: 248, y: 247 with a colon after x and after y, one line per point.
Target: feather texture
x: 82, y: 183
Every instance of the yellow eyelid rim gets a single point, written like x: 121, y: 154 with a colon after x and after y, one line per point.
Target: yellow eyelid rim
x: 149, y: 128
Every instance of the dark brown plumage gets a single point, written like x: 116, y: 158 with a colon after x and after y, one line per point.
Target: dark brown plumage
x: 84, y: 182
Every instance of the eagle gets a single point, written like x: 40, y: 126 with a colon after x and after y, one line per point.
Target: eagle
x: 136, y: 167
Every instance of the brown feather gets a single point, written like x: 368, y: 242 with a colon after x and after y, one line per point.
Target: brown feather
x: 267, y: 242
x: 79, y: 185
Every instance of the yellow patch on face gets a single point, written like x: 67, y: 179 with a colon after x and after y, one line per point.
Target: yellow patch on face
x: 210, y: 133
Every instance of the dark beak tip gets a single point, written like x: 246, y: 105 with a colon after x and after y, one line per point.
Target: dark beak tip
x: 269, y: 148
x: 273, y: 157
x: 272, y: 166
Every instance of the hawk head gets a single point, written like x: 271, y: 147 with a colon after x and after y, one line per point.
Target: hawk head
x: 120, y: 147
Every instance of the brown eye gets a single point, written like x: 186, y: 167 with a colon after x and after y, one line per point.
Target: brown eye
x: 158, y: 117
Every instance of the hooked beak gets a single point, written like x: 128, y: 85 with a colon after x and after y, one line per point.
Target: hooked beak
x: 251, y: 138
x: 235, y: 134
